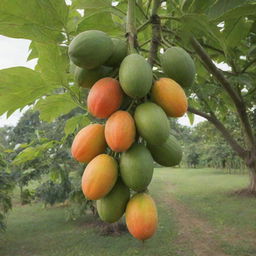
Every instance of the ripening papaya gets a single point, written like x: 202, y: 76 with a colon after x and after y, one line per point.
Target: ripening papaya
x: 152, y: 123
x: 99, y: 177
x: 141, y: 216
x: 178, y: 65
x: 88, y: 77
x: 90, y: 49
x: 120, y: 131
x: 167, y: 154
x: 112, y: 207
x: 88, y: 143
x: 136, y: 167
x: 170, y: 96
x: 104, y: 98
x: 135, y: 75
x: 119, y: 53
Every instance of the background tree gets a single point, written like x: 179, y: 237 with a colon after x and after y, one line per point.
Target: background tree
x: 209, y: 30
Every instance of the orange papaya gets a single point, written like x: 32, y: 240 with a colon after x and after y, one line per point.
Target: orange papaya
x: 88, y: 143
x: 120, y: 131
x: 141, y: 216
x: 99, y: 177
x: 170, y: 96
x: 105, y: 97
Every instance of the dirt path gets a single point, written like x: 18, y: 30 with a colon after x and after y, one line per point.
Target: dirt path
x: 198, y: 233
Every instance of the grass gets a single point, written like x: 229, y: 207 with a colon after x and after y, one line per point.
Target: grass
x: 33, y: 230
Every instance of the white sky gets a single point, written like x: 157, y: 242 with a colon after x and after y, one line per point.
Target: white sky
x: 14, y: 52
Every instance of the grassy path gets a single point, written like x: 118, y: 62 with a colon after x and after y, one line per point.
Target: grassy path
x: 197, y: 216
x: 212, y: 220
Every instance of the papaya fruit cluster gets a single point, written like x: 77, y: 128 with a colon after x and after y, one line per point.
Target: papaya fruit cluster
x: 133, y: 129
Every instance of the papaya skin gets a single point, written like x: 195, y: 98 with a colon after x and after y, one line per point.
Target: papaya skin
x: 141, y: 216
x: 99, y: 177
x: 120, y: 131
x: 112, y: 207
x: 170, y: 96
x: 90, y: 49
x: 88, y: 143
x: 105, y: 97
x: 178, y: 65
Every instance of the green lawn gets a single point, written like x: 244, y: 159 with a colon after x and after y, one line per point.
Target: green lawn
x: 33, y: 230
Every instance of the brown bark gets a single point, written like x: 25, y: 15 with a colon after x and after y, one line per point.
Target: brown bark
x: 252, y: 187
x: 236, y: 98
x: 249, y: 156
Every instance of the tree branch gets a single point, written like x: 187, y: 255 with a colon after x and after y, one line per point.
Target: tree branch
x: 238, y: 101
x: 248, y: 65
x: 156, y: 32
x: 131, y: 32
x: 226, y: 134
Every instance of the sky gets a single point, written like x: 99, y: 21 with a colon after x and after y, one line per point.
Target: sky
x: 14, y: 52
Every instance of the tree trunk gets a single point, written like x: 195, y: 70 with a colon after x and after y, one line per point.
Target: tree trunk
x: 251, y: 163
x: 253, y: 180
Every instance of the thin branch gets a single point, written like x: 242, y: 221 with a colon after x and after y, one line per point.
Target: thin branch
x: 143, y: 26
x: 146, y: 42
x: 169, y: 18
x: 156, y: 33
x: 212, y: 48
x: 148, y: 6
x: 114, y: 7
x: 248, y: 65
x: 226, y: 134
x: 238, y: 101
x: 142, y: 11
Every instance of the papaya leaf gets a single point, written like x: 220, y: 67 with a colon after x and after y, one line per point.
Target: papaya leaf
x: 37, y: 20
x: 53, y: 63
x: 33, y: 54
x: 191, y: 118
x: 92, y: 4
x: 54, y: 106
x: 101, y: 20
x: 224, y: 9
x: 75, y: 122
x: 32, y: 153
x: 236, y: 30
x: 19, y: 87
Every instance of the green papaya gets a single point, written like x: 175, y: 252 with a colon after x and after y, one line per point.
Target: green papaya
x: 88, y: 77
x: 135, y: 75
x: 152, y: 123
x: 136, y: 167
x: 112, y: 207
x: 178, y: 65
x: 167, y: 154
x: 119, y: 53
x: 90, y: 49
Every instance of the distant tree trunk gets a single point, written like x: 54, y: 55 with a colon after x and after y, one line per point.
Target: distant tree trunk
x: 251, y: 163
x: 253, y: 181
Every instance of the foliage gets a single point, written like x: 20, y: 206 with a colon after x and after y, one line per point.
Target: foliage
x: 6, y: 187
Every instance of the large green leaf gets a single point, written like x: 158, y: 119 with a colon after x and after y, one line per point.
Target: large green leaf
x: 92, y: 4
x: 75, y: 122
x: 19, y: 87
x: 199, y: 25
x: 39, y: 20
x: 236, y: 30
x: 232, y: 8
x: 54, y: 106
x: 53, y: 63
x: 101, y: 20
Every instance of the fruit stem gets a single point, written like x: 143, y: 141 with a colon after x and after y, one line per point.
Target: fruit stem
x: 131, y: 105
x: 131, y: 32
